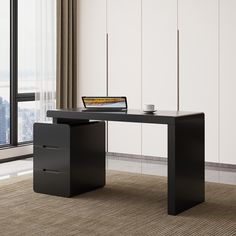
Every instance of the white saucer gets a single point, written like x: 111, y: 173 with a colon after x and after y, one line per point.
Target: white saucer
x: 149, y: 112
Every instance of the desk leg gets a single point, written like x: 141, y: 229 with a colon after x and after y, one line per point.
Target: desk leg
x: 186, y: 159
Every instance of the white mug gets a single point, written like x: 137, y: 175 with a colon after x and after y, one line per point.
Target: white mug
x: 149, y: 107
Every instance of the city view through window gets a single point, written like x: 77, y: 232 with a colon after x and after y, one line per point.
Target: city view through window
x: 29, y: 42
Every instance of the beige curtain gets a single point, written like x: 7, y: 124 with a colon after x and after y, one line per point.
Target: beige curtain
x: 66, y: 54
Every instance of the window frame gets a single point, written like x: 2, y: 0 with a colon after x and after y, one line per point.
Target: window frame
x: 15, y: 97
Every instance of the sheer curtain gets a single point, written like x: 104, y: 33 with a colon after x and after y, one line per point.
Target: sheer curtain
x: 45, y: 58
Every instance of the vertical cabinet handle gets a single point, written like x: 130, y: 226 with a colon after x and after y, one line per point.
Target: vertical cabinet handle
x: 178, y: 70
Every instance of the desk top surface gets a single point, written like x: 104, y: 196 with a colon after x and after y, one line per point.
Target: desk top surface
x: 159, y: 117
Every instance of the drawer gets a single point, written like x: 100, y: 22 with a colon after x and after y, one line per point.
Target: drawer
x: 51, y: 182
x: 52, y: 135
x: 51, y: 158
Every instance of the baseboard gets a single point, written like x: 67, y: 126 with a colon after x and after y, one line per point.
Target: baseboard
x: 147, y: 159
x: 163, y: 160
x: 16, y: 158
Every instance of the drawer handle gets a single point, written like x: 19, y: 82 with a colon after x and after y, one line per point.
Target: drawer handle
x: 51, y: 171
x: 50, y: 147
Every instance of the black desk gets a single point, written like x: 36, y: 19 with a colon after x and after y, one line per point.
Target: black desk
x: 185, y: 148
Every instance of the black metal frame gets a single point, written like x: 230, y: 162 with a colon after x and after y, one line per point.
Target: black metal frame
x: 15, y: 97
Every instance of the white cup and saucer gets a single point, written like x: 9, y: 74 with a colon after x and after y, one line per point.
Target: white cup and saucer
x: 149, y: 108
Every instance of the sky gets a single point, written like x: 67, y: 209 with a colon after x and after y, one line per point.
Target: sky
x: 26, y: 34
x: 26, y: 43
x: 4, y: 35
x: 28, y: 29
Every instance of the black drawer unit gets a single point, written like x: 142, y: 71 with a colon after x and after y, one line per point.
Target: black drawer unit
x: 69, y: 159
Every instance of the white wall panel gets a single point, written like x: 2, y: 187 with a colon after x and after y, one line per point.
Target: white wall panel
x: 227, y: 81
x: 159, y: 68
x: 91, y: 48
x: 198, y: 24
x: 124, y: 60
x: 142, y: 65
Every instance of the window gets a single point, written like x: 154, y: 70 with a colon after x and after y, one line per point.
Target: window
x: 26, y: 119
x: 4, y: 72
x: 26, y: 86
x: 27, y: 44
x: 22, y: 64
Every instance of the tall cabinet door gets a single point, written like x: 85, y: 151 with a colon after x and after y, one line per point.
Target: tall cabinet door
x: 91, y: 48
x: 198, y: 25
x: 159, y: 68
x: 227, y: 81
x: 124, y: 70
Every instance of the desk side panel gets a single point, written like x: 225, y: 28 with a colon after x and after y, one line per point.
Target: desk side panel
x: 186, y: 162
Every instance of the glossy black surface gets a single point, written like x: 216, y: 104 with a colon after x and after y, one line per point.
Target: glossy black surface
x: 159, y: 117
x: 68, y: 159
x: 186, y: 162
x: 186, y: 148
